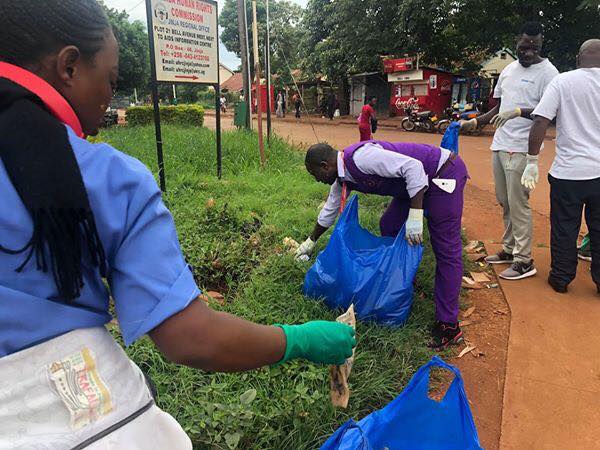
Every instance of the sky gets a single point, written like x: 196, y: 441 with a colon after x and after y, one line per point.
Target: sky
x: 137, y: 11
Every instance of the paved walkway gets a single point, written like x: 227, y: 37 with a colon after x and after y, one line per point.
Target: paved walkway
x: 552, y: 393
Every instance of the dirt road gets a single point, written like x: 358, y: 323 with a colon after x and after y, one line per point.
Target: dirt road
x: 552, y: 366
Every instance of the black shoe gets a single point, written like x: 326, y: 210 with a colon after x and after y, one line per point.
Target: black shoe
x: 444, y: 334
x: 559, y: 287
x: 499, y: 258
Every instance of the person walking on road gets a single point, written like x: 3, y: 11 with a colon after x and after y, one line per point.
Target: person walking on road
x: 297, y: 104
x: 331, y: 102
x: 519, y: 89
x: 418, y: 177
x: 279, y: 111
x: 573, y: 98
x: 83, y: 228
x: 367, y: 115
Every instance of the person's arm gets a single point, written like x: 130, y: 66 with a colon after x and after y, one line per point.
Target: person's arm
x: 543, y: 114
x: 416, y: 202
x: 537, y: 134
x: 484, y: 119
x: 326, y: 218
x: 318, y: 231
x: 205, y: 339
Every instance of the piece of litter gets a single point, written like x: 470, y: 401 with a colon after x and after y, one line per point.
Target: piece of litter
x: 291, y: 244
x: 303, y: 258
x: 468, y: 312
x: 466, y: 350
x: 491, y: 286
x: 475, y: 257
x: 471, y: 285
x: 210, y: 202
x: 465, y: 323
x: 480, y: 277
x: 338, y: 375
x: 468, y: 280
x: 471, y: 246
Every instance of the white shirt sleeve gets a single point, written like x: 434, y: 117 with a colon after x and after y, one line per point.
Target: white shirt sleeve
x: 372, y: 159
x: 331, y: 208
x: 550, y: 102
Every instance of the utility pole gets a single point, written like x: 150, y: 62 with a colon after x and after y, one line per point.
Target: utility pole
x: 261, y: 144
x: 268, y: 70
x: 243, y: 34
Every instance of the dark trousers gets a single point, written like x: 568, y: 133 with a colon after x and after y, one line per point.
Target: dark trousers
x: 567, y: 199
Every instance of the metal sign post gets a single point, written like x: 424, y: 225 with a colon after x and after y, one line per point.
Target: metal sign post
x: 184, y: 48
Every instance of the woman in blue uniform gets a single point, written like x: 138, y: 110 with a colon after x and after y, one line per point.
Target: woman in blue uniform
x: 72, y: 214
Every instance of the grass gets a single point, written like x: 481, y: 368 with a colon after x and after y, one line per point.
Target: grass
x: 231, y: 231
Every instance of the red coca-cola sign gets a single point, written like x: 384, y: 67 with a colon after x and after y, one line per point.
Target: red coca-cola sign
x: 397, y: 65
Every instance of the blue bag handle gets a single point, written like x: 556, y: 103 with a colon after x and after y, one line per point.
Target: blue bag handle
x: 422, y: 389
x: 424, y: 371
x: 352, y: 425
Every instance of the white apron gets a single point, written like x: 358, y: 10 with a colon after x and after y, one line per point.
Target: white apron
x: 80, y: 390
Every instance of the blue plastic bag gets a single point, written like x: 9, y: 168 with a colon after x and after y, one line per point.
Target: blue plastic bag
x: 375, y: 273
x: 450, y: 138
x: 414, y: 421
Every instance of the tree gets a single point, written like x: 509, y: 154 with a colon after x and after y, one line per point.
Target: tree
x: 351, y: 36
x: 134, y: 59
x: 285, y: 32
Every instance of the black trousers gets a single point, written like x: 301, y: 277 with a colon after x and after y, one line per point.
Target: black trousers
x: 567, y: 199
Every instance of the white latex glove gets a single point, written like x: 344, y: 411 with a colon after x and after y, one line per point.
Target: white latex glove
x: 500, y: 119
x: 305, y: 250
x: 414, y: 227
x: 531, y: 174
x: 468, y: 125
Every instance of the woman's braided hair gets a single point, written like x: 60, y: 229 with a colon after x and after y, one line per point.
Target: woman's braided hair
x: 32, y: 29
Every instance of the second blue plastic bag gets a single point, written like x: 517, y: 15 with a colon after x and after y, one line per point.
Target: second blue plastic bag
x: 414, y: 421
x: 375, y: 273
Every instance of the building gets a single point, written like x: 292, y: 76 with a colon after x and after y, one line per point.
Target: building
x: 493, y: 66
x: 366, y: 85
x: 235, y: 83
x: 480, y: 87
x: 430, y: 86
x: 225, y: 73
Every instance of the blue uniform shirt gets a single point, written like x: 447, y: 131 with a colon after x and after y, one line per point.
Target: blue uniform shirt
x: 148, y: 277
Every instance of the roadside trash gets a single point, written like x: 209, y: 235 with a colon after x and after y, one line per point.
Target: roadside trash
x: 413, y: 421
x: 338, y: 375
x: 469, y: 283
x: 479, y: 277
x: 468, y: 312
x: 290, y: 244
x: 492, y: 286
x: 465, y: 323
x: 375, y: 273
x: 475, y: 257
x: 466, y: 350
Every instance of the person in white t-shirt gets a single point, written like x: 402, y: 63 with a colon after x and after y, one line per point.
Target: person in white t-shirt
x: 574, y: 99
x: 519, y: 89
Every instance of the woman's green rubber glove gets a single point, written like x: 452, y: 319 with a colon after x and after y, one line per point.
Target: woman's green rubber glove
x: 319, y: 341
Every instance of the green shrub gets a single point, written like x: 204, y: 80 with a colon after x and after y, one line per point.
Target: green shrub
x: 174, y: 115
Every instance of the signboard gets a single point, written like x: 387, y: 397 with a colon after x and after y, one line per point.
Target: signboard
x: 397, y: 65
x: 446, y: 86
x: 185, y: 39
x: 433, y: 81
x: 413, y: 75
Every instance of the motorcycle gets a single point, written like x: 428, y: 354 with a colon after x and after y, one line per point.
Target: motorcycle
x: 455, y: 114
x: 415, y: 120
